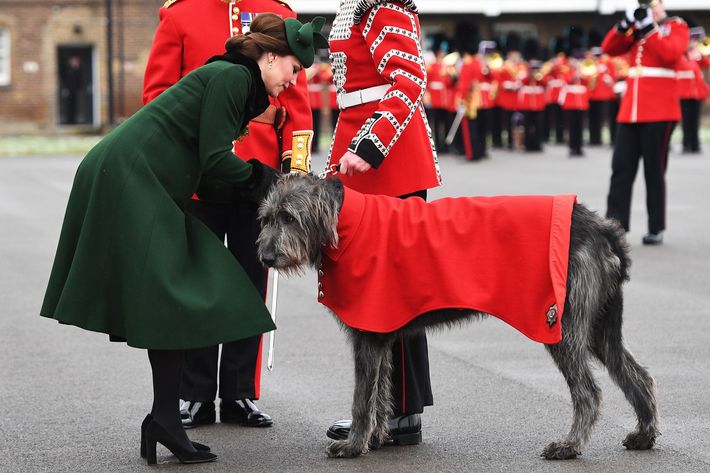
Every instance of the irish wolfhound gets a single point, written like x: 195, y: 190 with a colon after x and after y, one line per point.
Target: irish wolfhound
x: 299, y: 219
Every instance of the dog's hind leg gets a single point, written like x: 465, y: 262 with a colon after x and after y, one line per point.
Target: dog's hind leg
x: 636, y: 383
x: 369, y: 351
x: 572, y: 358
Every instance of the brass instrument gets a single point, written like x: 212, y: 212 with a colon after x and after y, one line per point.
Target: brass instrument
x: 704, y: 46
x: 588, y: 69
x: 449, y: 63
x: 494, y: 61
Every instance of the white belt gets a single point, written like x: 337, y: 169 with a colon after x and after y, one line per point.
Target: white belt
x: 437, y: 85
x: 686, y: 75
x: 532, y: 89
x: 315, y: 87
x: 643, y: 71
x: 575, y: 89
x: 371, y: 94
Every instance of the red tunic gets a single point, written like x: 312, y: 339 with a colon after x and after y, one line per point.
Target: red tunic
x: 438, y: 86
x: 651, y: 87
x: 397, y: 259
x: 378, y: 46
x: 531, y: 95
x: 691, y: 84
x: 602, y: 88
x: 192, y: 31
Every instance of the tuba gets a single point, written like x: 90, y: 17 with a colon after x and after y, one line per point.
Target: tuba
x: 704, y: 46
x: 588, y: 70
x: 494, y: 61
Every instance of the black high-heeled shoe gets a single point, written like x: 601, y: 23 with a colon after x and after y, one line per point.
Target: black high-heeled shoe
x: 198, y: 446
x: 154, y: 433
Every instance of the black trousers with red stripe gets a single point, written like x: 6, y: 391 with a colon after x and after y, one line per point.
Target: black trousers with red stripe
x: 411, y: 385
x: 239, y: 370
x: 634, y: 141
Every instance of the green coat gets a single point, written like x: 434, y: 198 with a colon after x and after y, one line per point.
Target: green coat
x: 131, y: 262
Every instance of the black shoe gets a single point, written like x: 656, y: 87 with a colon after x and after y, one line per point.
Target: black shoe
x: 198, y: 446
x: 156, y: 433
x: 243, y: 412
x: 653, y: 238
x: 194, y: 413
x: 404, y: 430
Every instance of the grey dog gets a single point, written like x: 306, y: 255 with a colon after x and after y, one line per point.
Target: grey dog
x: 300, y: 216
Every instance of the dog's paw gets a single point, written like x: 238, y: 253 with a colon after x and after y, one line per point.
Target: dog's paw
x: 560, y: 451
x: 639, y: 440
x: 344, y: 449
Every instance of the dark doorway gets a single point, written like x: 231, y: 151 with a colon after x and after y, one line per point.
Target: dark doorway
x: 76, y: 85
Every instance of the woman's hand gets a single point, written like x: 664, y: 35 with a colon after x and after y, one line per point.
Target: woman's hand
x: 351, y: 164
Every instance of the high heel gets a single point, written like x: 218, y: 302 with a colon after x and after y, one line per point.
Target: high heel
x: 154, y: 433
x: 198, y: 446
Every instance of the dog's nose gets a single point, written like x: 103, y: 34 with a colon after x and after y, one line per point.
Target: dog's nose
x: 268, y: 261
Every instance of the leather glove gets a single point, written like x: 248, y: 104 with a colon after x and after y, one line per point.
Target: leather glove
x: 259, y: 184
x: 645, y: 24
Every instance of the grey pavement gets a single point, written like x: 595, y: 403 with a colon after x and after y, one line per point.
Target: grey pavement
x: 70, y: 401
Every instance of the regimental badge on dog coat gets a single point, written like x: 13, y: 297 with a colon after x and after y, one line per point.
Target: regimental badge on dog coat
x: 396, y: 259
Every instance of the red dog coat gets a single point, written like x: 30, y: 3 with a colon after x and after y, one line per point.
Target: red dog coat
x: 396, y: 259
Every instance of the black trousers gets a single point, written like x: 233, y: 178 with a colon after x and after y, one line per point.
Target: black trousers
x: 596, y: 115
x: 439, y: 124
x: 484, y: 129
x: 474, y: 141
x: 635, y: 140
x: 575, y: 128
x: 612, y: 111
x: 316, y: 115
x: 533, y: 130
x: 554, y: 120
x: 690, y: 110
x: 239, y: 367
x: 496, y: 127
x: 411, y: 384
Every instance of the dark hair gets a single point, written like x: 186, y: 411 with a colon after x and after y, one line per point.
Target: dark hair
x: 267, y: 34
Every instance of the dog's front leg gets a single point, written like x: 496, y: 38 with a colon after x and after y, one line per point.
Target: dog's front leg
x: 368, y: 354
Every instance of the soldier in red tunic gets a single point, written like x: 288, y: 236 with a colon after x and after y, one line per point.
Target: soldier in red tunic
x: 189, y: 33
x: 649, y: 110
x: 693, y: 92
x: 574, y: 99
x: 531, y: 102
x: 384, y: 146
x: 601, y: 92
x: 317, y: 78
x: 438, y: 90
x: 469, y: 97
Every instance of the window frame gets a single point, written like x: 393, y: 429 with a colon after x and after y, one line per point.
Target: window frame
x: 5, y: 56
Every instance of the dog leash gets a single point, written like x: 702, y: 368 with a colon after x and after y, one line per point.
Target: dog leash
x: 331, y: 170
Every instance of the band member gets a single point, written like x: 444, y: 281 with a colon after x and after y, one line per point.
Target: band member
x: 574, y: 100
x: 508, y: 86
x: 599, y: 74
x: 383, y: 146
x: 189, y: 33
x: 693, y: 92
x: 438, y: 91
x: 469, y: 97
x: 531, y: 101
x: 553, y: 73
x: 649, y: 110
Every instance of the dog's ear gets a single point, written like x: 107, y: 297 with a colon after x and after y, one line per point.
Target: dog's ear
x: 334, y: 189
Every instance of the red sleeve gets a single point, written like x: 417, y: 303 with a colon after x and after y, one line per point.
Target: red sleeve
x: 392, y: 36
x: 165, y: 59
x: 671, y: 48
x: 617, y: 43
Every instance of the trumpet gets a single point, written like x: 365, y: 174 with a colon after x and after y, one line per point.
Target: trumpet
x: 704, y: 46
x: 494, y: 61
x: 588, y: 68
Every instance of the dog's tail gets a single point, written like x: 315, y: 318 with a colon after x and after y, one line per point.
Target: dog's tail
x: 616, y: 237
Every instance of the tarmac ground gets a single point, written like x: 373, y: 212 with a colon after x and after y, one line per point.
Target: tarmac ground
x: 72, y: 402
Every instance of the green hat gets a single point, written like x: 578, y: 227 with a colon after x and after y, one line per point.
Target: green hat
x: 305, y: 38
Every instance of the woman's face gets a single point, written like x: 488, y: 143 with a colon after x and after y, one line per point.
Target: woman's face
x: 279, y: 72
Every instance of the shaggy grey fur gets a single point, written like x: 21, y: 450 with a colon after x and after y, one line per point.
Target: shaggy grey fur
x: 300, y: 215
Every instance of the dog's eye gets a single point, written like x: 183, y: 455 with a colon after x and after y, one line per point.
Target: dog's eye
x: 288, y: 218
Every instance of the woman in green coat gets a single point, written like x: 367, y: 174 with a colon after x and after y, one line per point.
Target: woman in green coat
x: 131, y: 262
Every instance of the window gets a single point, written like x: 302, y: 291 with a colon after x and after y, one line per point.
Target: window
x: 4, y: 56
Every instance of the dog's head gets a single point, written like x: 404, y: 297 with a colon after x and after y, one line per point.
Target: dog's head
x: 297, y: 218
